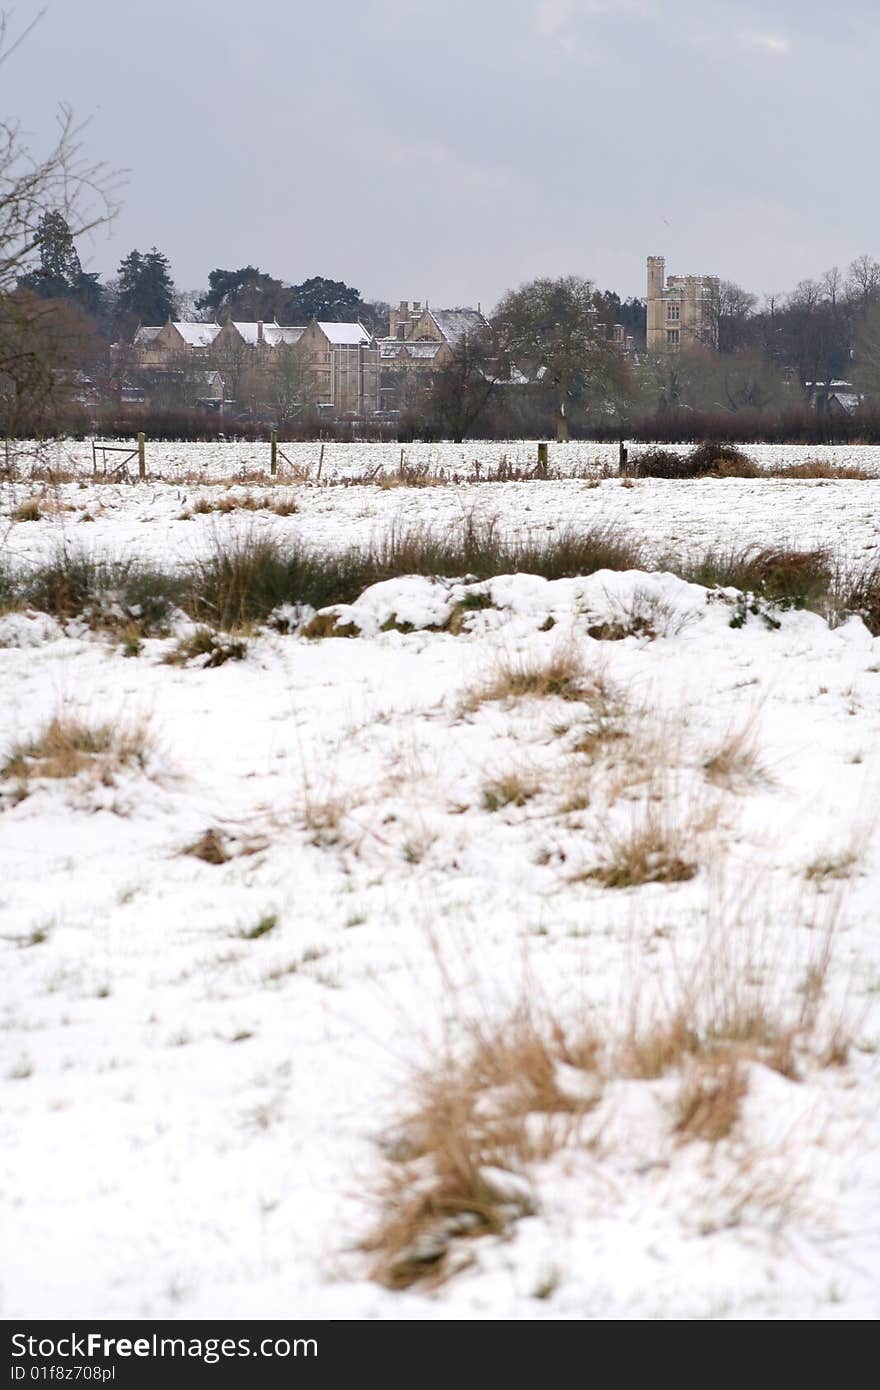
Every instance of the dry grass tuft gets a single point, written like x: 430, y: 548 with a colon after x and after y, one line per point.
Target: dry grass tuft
x: 832, y: 866
x: 207, y: 649
x: 735, y: 762
x: 512, y: 1094
x: 210, y: 847
x: 645, y: 615
x: 651, y: 850
x: 560, y: 675
x: 29, y: 510
x: 458, y: 1168
x: 817, y: 468
x: 67, y: 746
x: 513, y: 788
x: 708, y: 1103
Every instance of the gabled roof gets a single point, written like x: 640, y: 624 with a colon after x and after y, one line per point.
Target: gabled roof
x: 405, y: 347
x: 287, y: 335
x: 345, y: 334
x: 197, y: 335
x: 248, y: 331
x: 146, y: 335
x: 454, y: 323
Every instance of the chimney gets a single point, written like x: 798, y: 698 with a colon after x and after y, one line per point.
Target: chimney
x: 260, y: 333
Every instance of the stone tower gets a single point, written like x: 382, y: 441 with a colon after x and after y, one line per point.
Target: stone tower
x: 681, y: 309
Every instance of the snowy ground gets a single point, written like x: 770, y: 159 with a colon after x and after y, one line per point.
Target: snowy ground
x: 244, y: 459
x: 196, y: 1107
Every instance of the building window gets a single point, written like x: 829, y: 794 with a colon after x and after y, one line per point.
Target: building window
x: 672, y: 337
x: 673, y: 312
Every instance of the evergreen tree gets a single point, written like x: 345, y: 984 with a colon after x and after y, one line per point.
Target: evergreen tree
x: 248, y: 293
x: 146, y: 290
x: 60, y: 274
x: 329, y: 300
x: 59, y: 271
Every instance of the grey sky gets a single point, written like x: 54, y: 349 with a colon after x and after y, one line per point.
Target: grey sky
x: 451, y: 149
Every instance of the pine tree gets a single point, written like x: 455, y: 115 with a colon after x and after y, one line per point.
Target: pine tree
x: 60, y: 271
x: 146, y: 289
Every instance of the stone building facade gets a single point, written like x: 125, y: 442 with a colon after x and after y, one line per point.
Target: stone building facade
x: 682, y: 309
x: 421, y: 341
x: 342, y: 359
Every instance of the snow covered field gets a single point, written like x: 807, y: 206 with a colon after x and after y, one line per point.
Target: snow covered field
x: 208, y: 1067
x: 244, y: 459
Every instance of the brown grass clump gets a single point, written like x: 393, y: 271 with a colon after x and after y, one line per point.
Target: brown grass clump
x: 818, y: 468
x: 458, y: 1169
x: 485, y: 1113
x: 832, y: 866
x: 406, y: 475
x: 787, y: 577
x: 67, y: 746
x: 29, y: 510
x: 560, y: 675
x: 511, y: 789
x: 708, y: 1104
x: 859, y: 593
x: 651, y: 850
x: 210, y: 847
x: 208, y: 648
x: 735, y: 761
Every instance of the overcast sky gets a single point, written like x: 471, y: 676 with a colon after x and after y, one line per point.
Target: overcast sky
x: 451, y: 149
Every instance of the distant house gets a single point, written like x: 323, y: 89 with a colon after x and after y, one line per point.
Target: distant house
x: 421, y: 341
x: 835, y: 397
x: 342, y: 357
x: 424, y: 325
x: 158, y: 346
x: 261, y: 337
x: 345, y: 363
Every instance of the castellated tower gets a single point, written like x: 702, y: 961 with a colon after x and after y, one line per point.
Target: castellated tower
x: 681, y: 309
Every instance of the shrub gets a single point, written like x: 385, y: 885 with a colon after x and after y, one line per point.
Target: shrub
x: 789, y: 578
x: 707, y: 459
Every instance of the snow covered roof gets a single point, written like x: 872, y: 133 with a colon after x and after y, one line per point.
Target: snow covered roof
x: 397, y: 347
x: 345, y: 334
x: 197, y: 335
x: 454, y: 323
x: 287, y: 334
x: 146, y: 335
x: 274, y: 334
x: 847, y: 400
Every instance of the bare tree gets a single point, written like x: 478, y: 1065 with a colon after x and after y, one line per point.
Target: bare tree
x: 464, y: 387
x: 287, y: 384
x: 863, y: 280
x: 62, y: 179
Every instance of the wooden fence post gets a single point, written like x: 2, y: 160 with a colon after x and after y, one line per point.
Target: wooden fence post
x: 320, y: 465
x: 142, y: 455
x: 622, y: 458
x: 542, y: 458
x: 273, y: 466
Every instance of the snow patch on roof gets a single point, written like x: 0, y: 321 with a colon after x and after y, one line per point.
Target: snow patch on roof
x: 197, y: 335
x: 345, y: 334
x: 455, y: 323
